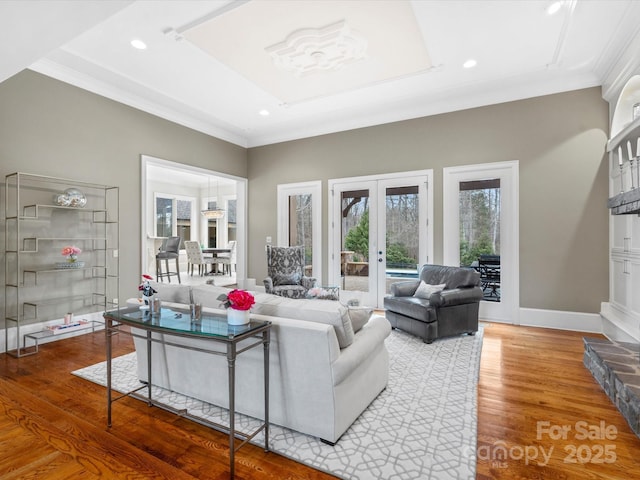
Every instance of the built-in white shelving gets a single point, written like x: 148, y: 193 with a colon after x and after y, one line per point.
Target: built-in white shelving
x: 622, y: 312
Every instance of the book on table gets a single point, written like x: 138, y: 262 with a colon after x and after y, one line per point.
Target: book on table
x: 68, y: 327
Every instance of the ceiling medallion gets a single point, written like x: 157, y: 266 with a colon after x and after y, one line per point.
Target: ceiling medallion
x: 313, y: 50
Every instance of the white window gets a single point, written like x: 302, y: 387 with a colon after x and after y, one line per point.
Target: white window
x: 300, y: 221
x: 174, y: 216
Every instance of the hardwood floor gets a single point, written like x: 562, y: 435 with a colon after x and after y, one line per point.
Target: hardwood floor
x: 53, y: 424
x: 536, y: 400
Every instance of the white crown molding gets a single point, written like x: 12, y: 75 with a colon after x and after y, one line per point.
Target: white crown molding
x: 73, y: 77
x: 337, y: 120
x: 412, y: 108
x: 618, y: 62
x: 620, y: 74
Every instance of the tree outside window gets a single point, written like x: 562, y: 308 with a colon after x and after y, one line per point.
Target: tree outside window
x: 301, y: 224
x: 401, y: 229
x: 479, y: 220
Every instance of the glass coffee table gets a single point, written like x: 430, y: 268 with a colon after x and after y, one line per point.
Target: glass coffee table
x: 212, y: 327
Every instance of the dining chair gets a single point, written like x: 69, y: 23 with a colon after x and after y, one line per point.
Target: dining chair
x: 169, y: 250
x: 228, y: 259
x: 196, y: 257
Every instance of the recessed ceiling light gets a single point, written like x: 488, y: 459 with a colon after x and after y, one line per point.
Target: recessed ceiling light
x: 264, y: 112
x: 470, y: 63
x: 139, y: 44
x: 554, y: 8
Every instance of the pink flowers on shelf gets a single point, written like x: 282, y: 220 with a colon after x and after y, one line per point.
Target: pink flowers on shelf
x: 71, y: 252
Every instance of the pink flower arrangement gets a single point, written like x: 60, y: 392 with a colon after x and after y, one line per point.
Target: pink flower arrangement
x: 71, y: 252
x: 237, y: 299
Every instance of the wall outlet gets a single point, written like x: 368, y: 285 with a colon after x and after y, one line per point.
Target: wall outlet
x: 115, y: 301
x: 268, y: 240
x: 115, y: 254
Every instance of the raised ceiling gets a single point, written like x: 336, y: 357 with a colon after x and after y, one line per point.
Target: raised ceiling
x: 316, y: 66
x: 317, y: 49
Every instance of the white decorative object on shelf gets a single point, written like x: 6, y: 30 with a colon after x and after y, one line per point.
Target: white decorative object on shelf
x: 76, y: 197
x: 72, y: 197
x: 61, y: 199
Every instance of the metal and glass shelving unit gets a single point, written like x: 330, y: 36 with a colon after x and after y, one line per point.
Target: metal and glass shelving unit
x: 43, y: 216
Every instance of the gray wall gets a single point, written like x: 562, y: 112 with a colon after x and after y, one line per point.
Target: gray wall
x: 51, y: 128
x: 559, y: 141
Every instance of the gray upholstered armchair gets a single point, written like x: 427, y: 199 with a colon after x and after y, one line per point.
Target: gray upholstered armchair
x: 443, y: 301
x: 285, y: 272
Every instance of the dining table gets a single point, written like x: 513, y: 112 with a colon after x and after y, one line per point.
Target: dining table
x: 214, y: 252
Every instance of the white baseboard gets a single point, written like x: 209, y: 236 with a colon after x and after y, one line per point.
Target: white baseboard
x: 529, y: 317
x: 619, y: 325
x: 36, y: 327
x: 560, y: 320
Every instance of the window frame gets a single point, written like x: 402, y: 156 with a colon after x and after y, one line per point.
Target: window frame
x: 314, y: 189
x: 174, y: 205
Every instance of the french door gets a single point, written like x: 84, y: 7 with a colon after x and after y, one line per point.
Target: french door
x: 480, y: 224
x: 380, y: 233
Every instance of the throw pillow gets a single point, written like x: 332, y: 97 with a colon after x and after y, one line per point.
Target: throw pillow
x: 359, y: 317
x: 207, y: 295
x: 286, y: 279
x: 425, y: 290
x: 319, y: 311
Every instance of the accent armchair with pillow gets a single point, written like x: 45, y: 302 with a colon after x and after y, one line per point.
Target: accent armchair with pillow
x: 285, y: 272
x: 443, y: 302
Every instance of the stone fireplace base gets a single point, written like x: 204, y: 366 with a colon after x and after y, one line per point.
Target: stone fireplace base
x: 616, y: 367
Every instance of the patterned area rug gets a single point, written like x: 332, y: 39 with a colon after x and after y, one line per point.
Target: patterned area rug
x: 422, y: 426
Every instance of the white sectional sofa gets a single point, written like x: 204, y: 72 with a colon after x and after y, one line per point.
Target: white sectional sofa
x: 323, y: 371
